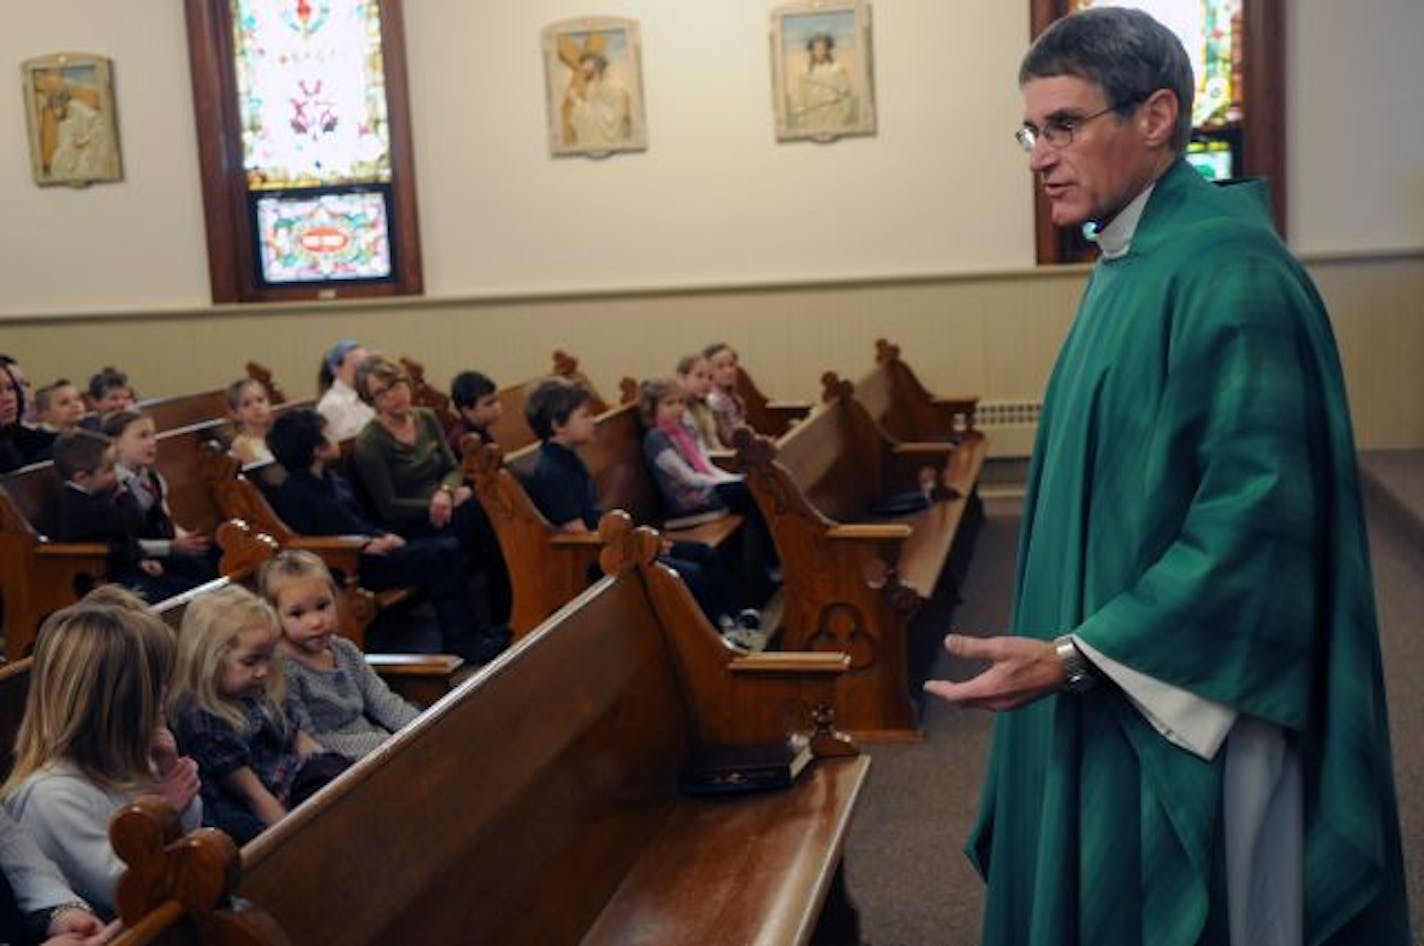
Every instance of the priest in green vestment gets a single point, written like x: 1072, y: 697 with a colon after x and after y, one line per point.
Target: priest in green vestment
x: 1193, y: 744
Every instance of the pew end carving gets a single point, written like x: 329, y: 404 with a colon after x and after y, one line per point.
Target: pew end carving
x: 178, y: 888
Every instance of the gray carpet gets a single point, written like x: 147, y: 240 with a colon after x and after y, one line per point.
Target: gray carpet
x: 905, y: 865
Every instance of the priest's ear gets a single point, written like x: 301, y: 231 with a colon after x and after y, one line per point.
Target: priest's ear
x: 1157, y: 118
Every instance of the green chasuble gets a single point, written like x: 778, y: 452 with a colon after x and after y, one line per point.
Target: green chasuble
x: 1193, y: 512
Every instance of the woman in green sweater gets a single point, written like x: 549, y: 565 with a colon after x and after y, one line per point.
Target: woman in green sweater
x: 414, y: 483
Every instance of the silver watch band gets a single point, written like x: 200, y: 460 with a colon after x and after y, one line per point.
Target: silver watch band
x: 1077, y: 672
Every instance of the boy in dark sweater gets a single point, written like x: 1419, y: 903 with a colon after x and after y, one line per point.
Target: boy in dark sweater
x: 563, y: 490
x: 87, y: 509
x: 316, y: 500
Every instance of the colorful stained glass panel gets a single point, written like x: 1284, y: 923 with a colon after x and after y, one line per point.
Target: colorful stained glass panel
x: 1211, y: 32
x: 311, y: 92
x: 323, y: 237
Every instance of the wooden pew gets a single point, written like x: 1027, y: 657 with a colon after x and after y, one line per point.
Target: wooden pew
x: 548, y: 568
x: 577, y: 833
x: 178, y: 887
x: 512, y: 432
x: 38, y: 576
x: 767, y: 417
x: 235, y: 492
x: 896, y: 399
x: 853, y: 579
x: 183, y: 410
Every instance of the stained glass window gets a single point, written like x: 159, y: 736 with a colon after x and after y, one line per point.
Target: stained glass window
x: 304, y: 135
x: 311, y: 92
x: 328, y: 236
x: 1211, y: 32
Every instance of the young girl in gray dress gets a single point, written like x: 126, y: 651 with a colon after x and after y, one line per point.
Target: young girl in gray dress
x: 348, y: 708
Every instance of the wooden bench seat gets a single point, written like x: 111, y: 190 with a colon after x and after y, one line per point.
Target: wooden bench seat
x: 768, y: 417
x: 855, y: 576
x: 183, y: 410
x: 905, y: 408
x: 38, y: 576
x: 547, y: 568
x: 487, y: 821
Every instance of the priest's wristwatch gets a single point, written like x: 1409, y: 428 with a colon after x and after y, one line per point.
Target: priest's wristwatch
x: 1077, y: 672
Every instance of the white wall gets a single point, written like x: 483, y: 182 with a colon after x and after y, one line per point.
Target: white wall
x: 715, y: 200
x: 1355, y: 139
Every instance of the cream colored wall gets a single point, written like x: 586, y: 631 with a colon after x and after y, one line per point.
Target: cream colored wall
x: 715, y: 200
x: 993, y: 334
x: 525, y: 254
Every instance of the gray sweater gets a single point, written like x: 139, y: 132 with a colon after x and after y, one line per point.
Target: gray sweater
x: 68, y: 816
x: 348, y: 709
x: 36, y: 881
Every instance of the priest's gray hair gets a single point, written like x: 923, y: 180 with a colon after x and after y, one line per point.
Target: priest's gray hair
x: 1125, y: 52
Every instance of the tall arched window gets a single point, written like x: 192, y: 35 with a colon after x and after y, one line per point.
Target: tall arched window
x: 305, y: 148
x: 1239, y: 113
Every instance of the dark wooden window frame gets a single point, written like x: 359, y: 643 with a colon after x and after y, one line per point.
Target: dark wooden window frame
x: 232, y: 266
x: 1263, y: 130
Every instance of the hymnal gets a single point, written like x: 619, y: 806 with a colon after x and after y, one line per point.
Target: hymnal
x: 754, y: 767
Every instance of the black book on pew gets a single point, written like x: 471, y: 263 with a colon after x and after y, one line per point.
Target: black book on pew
x: 754, y: 767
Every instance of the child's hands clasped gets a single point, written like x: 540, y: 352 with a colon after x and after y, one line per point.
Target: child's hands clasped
x: 178, y: 778
x: 191, y: 543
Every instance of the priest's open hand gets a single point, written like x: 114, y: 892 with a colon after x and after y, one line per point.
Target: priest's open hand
x: 1022, y: 669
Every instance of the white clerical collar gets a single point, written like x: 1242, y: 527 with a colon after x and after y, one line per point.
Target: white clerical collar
x: 1115, y: 239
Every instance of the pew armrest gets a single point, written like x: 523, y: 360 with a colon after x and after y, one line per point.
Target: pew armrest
x: 870, y: 532
x: 76, y: 550
x: 724, y: 459
x: 792, y: 409
x: 411, y: 665
x: 420, y: 678
x: 798, y: 662
x: 922, y: 450
x: 576, y: 540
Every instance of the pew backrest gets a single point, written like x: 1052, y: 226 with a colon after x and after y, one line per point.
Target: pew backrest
x: 489, y: 821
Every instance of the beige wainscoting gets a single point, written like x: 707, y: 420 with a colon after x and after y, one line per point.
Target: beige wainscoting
x: 991, y: 333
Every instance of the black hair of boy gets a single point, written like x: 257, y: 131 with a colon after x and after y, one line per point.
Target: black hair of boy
x: 79, y: 451
x: 551, y: 402
x: 116, y: 423
x: 295, y: 437
x: 469, y: 386
x: 106, y: 380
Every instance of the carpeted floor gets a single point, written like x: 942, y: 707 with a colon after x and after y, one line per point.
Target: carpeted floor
x: 905, y: 864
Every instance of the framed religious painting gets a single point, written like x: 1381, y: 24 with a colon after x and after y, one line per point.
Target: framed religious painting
x: 594, y: 70
x: 822, y: 78
x: 69, y: 108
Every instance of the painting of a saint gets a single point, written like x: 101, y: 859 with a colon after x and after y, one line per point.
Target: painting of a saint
x: 73, y: 137
x: 821, y: 70
x: 595, y: 86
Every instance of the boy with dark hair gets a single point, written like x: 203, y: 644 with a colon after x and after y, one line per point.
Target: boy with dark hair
x: 87, y: 510
x: 477, y: 400
x: 316, y: 500
x: 110, y: 392
x: 562, y: 487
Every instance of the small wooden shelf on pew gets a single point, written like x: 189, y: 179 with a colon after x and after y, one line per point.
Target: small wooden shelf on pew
x: 550, y: 778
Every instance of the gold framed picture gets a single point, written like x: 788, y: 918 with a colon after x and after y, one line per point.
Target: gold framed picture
x: 594, y: 70
x: 822, y: 76
x: 69, y: 108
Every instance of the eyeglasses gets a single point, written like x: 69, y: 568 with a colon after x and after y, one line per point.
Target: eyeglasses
x: 375, y: 393
x: 1058, y: 131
